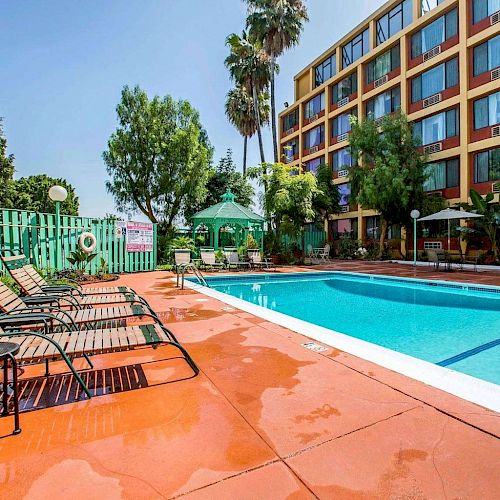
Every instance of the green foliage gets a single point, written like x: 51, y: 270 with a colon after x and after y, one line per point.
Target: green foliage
x: 223, y: 177
x: 391, y: 173
x: 326, y: 201
x: 32, y: 193
x: 7, y: 280
x: 6, y: 171
x: 288, y: 199
x: 251, y: 243
x: 103, y: 266
x: 489, y: 224
x: 175, y: 243
x: 347, y: 247
x: 80, y: 259
x: 272, y: 244
x: 158, y: 158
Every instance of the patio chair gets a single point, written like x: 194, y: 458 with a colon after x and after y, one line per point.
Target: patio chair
x: 309, y: 251
x: 208, y: 260
x: 436, y: 257
x: 26, y: 310
x: 14, y: 262
x: 37, y: 347
x: 325, y: 253
x: 256, y: 260
x: 182, y: 256
x: 233, y: 259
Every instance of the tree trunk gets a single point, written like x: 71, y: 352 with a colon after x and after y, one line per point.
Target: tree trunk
x: 273, y: 113
x: 383, y: 233
x: 257, y: 119
x: 245, y: 143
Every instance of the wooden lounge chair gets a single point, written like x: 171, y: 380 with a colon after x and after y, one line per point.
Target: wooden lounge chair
x: 233, y: 259
x: 12, y: 263
x: 21, y: 311
x: 36, y: 347
x: 208, y: 260
x: 257, y: 261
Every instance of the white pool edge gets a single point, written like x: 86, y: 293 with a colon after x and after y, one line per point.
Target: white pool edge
x: 464, y: 386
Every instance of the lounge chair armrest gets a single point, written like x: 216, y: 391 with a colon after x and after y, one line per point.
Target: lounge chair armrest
x: 61, y: 289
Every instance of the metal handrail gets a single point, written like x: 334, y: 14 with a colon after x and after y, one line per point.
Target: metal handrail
x: 184, y: 267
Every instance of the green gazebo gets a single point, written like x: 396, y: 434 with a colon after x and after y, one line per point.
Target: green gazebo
x: 229, y: 217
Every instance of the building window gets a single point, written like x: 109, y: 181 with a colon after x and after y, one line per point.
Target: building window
x: 356, y: 48
x: 313, y: 165
x: 344, y: 228
x: 325, y: 70
x: 437, y: 127
x: 291, y: 149
x: 435, y: 80
x: 487, y: 166
x: 487, y: 56
x: 341, y: 124
x: 314, y: 106
x: 428, y: 5
x: 484, y: 8
x: 372, y: 227
x: 487, y: 111
x: 442, y: 175
x: 344, y: 88
x: 383, y: 104
x: 342, y: 159
x: 383, y: 64
x: 443, y: 28
x: 291, y: 120
x: 345, y: 194
x: 394, y: 21
x: 314, y: 137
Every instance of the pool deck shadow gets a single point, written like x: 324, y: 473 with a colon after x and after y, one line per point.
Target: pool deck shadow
x: 266, y: 418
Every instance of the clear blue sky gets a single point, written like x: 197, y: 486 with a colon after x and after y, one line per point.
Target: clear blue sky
x: 63, y: 64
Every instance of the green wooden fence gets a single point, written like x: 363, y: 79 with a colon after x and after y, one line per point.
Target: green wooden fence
x: 34, y: 234
x: 314, y: 238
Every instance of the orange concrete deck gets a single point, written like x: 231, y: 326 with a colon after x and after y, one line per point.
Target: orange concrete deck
x: 265, y: 418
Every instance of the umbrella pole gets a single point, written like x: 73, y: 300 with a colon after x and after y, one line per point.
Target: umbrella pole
x: 448, y: 235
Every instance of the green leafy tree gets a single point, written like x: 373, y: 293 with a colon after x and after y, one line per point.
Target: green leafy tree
x: 158, y: 157
x: 249, y: 67
x: 6, y: 170
x: 32, y: 193
x: 289, y: 198
x: 241, y: 113
x: 489, y: 224
x: 326, y: 201
x: 276, y: 25
x: 225, y: 176
x: 391, y: 171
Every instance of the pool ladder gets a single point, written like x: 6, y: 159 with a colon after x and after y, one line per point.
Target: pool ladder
x: 182, y: 271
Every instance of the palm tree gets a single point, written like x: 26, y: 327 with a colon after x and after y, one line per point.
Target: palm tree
x: 241, y: 113
x: 249, y: 67
x: 277, y: 25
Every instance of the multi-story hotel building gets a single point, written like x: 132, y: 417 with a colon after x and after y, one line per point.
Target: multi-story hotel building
x: 436, y: 60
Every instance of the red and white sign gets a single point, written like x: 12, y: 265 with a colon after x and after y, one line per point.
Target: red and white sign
x: 139, y: 236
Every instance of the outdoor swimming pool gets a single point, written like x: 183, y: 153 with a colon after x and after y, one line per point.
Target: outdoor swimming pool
x: 448, y: 324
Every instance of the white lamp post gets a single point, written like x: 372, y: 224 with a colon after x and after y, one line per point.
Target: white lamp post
x: 58, y: 194
x: 414, y: 214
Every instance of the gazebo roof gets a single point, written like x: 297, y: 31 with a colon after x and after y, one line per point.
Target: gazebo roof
x: 227, y: 211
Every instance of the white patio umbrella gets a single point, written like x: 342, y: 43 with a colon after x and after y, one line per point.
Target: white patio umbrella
x: 449, y: 214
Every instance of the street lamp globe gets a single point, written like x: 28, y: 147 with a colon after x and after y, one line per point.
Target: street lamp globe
x: 58, y: 193
x: 414, y: 214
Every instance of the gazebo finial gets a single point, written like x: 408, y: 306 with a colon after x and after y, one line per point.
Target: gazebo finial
x: 228, y: 196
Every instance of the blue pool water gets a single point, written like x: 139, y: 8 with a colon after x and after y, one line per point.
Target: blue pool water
x: 453, y: 325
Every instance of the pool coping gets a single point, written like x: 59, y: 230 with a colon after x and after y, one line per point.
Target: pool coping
x: 475, y: 390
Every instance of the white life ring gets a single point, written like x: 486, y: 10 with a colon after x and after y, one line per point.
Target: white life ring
x: 87, y: 248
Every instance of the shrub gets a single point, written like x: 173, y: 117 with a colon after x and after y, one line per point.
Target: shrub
x: 347, y: 247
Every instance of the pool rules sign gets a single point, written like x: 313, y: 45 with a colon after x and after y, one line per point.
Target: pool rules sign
x: 138, y: 235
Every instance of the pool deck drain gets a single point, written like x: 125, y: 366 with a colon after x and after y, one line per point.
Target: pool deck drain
x: 266, y: 418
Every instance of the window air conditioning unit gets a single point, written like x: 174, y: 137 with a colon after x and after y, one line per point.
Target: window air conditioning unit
x: 343, y: 102
x: 437, y: 193
x: 495, y: 74
x: 495, y: 18
x: 344, y: 209
x: 288, y: 159
x: 380, y: 81
x: 433, y: 148
x: 433, y: 245
x: 495, y: 187
x: 342, y: 173
x: 433, y: 99
x: 290, y: 131
x: 495, y: 131
x: 432, y: 53
x: 342, y: 137
x: 314, y: 117
x: 314, y: 149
